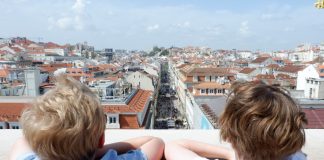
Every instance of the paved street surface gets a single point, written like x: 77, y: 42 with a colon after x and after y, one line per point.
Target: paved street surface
x: 168, y: 112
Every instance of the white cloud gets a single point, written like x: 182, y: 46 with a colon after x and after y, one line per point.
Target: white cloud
x: 79, y: 6
x: 267, y: 16
x: 214, y: 30
x: 76, y: 20
x: 244, y: 28
x: 153, y: 27
x: 64, y: 22
x: 184, y: 25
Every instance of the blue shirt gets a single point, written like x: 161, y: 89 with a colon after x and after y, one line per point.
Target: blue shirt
x: 110, y: 155
x: 297, y: 156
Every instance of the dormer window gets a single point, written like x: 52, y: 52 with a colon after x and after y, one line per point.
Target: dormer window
x: 112, y: 120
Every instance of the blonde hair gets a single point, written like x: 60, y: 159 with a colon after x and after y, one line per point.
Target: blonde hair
x: 65, y: 123
x: 262, y: 122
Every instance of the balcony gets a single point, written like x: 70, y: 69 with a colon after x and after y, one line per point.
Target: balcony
x: 313, y: 148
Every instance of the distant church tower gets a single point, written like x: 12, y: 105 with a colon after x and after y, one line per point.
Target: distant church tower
x: 109, y: 53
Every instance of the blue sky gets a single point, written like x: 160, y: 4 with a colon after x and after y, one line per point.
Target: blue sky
x: 140, y: 24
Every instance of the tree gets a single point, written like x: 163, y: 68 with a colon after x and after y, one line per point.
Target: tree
x: 156, y: 49
x: 164, y: 53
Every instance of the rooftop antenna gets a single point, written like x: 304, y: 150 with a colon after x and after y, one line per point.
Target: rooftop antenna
x: 39, y: 39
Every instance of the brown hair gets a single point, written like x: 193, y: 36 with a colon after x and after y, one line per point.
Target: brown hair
x: 262, y: 122
x: 66, y: 123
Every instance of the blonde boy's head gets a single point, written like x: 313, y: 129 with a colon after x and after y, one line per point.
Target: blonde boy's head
x: 262, y: 122
x: 66, y: 123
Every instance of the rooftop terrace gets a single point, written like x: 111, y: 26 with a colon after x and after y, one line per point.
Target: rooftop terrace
x: 313, y: 148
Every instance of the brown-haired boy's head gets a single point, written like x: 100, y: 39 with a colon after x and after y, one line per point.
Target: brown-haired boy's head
x: 262, y: 122
x: 66, y: 123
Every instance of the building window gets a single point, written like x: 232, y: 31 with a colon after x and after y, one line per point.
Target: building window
x: 195, y: 79
x: 311, y: 81
x: 202, y: 90
x: 1, y: 127
x: 316, y: 82
x: 307, y: 81
x: 211, y: 91
x: 112, y: 120
x: 224, y: 91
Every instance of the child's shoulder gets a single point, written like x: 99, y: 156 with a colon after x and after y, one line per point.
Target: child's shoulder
x: 297, y: 156
x: 132, y: 154
x: 21, y: 150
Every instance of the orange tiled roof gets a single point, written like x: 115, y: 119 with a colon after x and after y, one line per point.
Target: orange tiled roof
x: 265, y: 76
x: 16, y: 49
x: 287, y: 61
x: 206, y: 71
x: 48, y: 69
x: 4, y: 73
x: 52, y: 45
x: 113, y: 78
x: 128, y: 122
x: 135, y: 105
x: 260, y: 59
x: 77, y: 72
x: 211, y: 85
x: 187, y: 79
x: 319, y: 68
x: 58, y: 65
x: 106, y: 66
x: 276, y: 58
x: 273, y: 66
x: 291, y: 68
x: 247, y: 70
x: 283, y: 76
x: 11, y: 112
x: 315, y: 118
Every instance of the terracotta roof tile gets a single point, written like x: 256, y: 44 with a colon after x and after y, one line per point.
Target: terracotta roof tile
x: 265, y: 76
x: 315, y: 118
x: 128, y: 122
x: 273, y: 66
x: 136, y: 104
x: 4, y: 73
x: 260, y: 59
x: 11, y: 111
x: 247, y: 70
x: 283, y: 76
x: 206, y: 71
x: 51, y: 45
x: 291, y: 68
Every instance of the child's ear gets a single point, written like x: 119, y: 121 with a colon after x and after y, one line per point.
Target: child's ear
x: 101, y: 140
